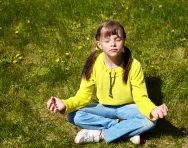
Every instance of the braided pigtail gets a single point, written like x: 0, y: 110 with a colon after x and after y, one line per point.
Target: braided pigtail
x: 126, y: 64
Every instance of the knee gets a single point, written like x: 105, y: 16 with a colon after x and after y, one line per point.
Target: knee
x: 148, y: 124
x: 75, y: 117
x: 71, y: 117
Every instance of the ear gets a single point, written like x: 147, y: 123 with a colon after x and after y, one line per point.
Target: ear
x: 99, y: 44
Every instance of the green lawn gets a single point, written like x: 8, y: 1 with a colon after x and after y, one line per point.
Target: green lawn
x: 43, y: 47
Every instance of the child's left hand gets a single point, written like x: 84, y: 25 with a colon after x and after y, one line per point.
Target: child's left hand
x: 160, y: 111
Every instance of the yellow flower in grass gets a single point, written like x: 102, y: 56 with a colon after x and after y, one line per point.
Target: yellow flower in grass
x: 20, y: 58
x: 16, y: 31
x: 80, y: 47
x: 14, y: 61
x: 18, y: 54
x: 87, y: 38
x: 184, y: 39
x: 67, y: 68
x: 40, y: 51
x: 67, y: 54
x: 172, y: 30
x: 160, y: 6
x: 28, y: 21
x: 58, y: 60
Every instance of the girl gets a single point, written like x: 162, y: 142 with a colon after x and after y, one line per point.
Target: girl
x: 124, y: 109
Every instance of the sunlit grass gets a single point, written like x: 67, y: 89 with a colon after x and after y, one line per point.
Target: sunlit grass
x: 43, y: 46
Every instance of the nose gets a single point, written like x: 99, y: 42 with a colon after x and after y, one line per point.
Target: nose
x: 113, y: 43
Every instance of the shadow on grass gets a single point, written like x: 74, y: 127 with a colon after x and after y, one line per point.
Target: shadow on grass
x: 164, y: 127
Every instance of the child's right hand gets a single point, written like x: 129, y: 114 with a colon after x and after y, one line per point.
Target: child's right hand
x: 56, y: 105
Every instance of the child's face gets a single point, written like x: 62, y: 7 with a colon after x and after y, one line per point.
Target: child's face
x: 111, y: 45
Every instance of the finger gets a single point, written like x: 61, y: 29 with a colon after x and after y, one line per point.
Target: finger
x: 53, y: 100
x: 161, y: 115
x: 49, y: 103
x: 165, y: 107
x: 56, y: 110
x: 52, y: 107
x: 164, y: 113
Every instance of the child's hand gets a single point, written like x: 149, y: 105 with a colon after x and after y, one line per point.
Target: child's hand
x: 160, y: 111
x: 56, y: 105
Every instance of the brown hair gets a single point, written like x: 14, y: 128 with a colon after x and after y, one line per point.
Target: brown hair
x: 111, y: 28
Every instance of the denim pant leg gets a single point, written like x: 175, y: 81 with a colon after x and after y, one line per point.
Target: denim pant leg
x: 94, y: 117
x: 135, y: 123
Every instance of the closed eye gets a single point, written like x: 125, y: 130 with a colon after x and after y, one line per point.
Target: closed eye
x: 106, y: 41
x: 118, y: 39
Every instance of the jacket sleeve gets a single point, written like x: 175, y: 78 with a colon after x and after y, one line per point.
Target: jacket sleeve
x: 139, y: 91
x: 82, y: 97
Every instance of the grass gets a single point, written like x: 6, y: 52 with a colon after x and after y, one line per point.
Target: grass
x: 43, y: 46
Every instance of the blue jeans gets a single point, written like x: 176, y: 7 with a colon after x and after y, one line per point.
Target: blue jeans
x: 106, y: 118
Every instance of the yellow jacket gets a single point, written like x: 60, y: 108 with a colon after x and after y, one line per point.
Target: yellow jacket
x: 134, y: 91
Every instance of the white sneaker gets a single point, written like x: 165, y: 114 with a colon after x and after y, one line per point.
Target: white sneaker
x: 85, y: 136
x: 135, y: 139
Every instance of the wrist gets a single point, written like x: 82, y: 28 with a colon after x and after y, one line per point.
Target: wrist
x: 62, y: 111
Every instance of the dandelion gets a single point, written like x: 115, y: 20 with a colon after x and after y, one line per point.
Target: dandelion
x: 40, y: 51
x: 87, y: 38
x: 16, y: 31
x: 58, y: 60
x: 184, y: 39
x: 172, y: 30
x: 15, y: 61
x: 80, y: 47
x: 28, y: 21
x: 67, y: 68
x: 20, y: 58
x: 67, y: 54
x: 18, y: 54
x: 160, y: 6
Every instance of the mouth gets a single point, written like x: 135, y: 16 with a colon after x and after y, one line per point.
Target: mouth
x: 113, y: 50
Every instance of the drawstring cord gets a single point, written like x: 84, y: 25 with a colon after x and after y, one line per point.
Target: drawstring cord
x: 111, y: 84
